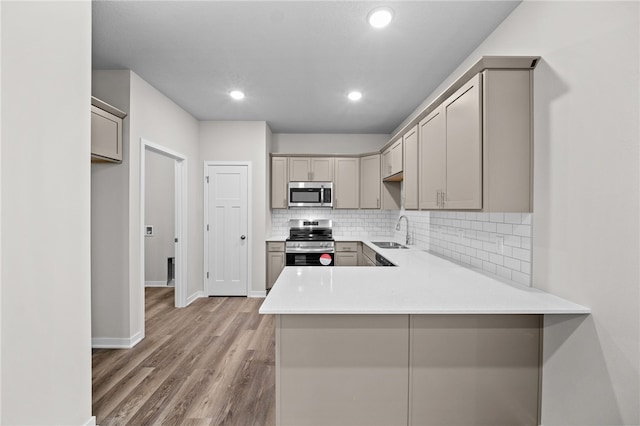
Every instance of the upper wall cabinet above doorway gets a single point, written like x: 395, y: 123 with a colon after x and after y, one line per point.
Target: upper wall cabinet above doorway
x: 106, y: 132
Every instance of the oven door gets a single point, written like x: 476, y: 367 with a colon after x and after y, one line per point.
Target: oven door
x: 310, y: 259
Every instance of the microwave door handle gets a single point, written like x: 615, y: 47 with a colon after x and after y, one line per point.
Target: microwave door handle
x: 321, y: 194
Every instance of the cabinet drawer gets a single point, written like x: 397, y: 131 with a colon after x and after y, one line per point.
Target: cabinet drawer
x: 347, y: 246
x: 346, y: 259
x: 275, y: 246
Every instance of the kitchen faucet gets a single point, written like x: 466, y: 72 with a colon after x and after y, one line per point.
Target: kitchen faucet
x: 398, y: 228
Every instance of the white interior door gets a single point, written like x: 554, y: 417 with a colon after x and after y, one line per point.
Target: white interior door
x: 227, y: 237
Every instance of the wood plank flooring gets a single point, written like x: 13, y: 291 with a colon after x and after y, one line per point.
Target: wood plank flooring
x: 212, y: 363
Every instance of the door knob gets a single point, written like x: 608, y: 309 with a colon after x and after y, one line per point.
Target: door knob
x: 242, y: 237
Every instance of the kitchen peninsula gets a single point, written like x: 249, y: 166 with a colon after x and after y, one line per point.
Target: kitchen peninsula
x: 425, y: 342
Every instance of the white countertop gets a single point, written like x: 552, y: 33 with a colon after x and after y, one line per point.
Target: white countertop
x: 420, y: 284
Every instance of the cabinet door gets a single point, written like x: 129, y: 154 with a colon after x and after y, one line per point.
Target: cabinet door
x: 370, y: 182
x: 456, y: 359
x: 346, y: 259
x: 321, y: 169
x: 106, y: 135
x: 396, y: 157
x: 347, y: 183
x: 279, y: 180
x: 410, y: 169
x: 386, y: 163
x: 432, y: 152
x: 464, y: 147
x: 275, y: 265
x: 299, y: 169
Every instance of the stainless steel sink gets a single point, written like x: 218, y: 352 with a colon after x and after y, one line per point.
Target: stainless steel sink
x: 389, y: 245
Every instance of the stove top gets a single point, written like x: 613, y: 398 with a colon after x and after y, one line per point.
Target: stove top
x: 310, y: 236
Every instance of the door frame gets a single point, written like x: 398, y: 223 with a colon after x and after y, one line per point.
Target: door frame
x: 205, y: 219
x: 180, y: 227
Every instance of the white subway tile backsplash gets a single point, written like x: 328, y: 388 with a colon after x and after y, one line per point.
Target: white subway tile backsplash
x: 512, y: 263
x: 522, y: 230
x: 521, y: 278
x: 512, y: 241
x: 489, y: 267
x: 505, y: 228
x: 489, y: 227
x: 515, y: 218
x: 496, y: 258
x: 476, y: 263
x: 483, y: 255
x: 470, y: 238
x: 503, y: 272
x: 496, y: 217
x: 522, y: 254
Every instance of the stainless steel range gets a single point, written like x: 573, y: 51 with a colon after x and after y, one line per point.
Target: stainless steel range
x: 310, y: 243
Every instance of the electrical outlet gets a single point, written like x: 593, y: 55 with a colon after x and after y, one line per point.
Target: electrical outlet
x: 500, y: 244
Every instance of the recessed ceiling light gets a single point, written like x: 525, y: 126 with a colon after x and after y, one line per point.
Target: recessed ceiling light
x: 354, y: 96
x: 380, y: 17
x: 236, y: 94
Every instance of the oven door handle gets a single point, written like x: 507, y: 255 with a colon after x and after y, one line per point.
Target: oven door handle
x: 309, y: 250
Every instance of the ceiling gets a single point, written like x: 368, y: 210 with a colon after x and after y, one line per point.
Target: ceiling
x: 295, y: 60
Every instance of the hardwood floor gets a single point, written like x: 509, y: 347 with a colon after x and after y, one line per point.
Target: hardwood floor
x: 212, y: 363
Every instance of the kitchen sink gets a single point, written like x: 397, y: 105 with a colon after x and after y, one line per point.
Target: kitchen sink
x: 389, y: 245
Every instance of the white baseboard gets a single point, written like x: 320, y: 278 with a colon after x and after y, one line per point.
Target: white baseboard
x: 115, y: 342
x: 194, y: 296
x: 91, y: 422
x: 258, y: 294
x: 155, y: 284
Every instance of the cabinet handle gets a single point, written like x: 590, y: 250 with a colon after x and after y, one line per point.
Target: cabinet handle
x: 310, y: 175
x: 444, y: 195
x: 437, y: 198
x: 378, y: 202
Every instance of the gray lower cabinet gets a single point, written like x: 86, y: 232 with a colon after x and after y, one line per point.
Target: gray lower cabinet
x: 275, y: 261
x: 342, y: 370
x: 368, y: 256
x: 474, y: 370
x: 407, y: 370
x: 347, y: 253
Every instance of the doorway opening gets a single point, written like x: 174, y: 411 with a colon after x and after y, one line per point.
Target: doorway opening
x: 168, y: 268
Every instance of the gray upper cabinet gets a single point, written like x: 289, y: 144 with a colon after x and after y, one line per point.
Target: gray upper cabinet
x: 347, y: 183
x: 410, y: 168
x: 432, y: 150
x: 475, y: 147
x: 311, y: 169
x: 370, y: 182
x: 106, y: 132
x: 279, y: 181
x: 462, y: 113
x: 392, y: 160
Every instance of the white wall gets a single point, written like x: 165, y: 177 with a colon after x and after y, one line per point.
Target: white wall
x: 156, y: 118
x: 110, y: 304
x: 46, y: 335
x: 586, y: 199
x: 159, y: 213
x: 244, y: 141
x: 324, y: 143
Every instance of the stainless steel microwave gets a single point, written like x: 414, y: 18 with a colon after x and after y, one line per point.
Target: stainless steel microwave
x: 311, y: 194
